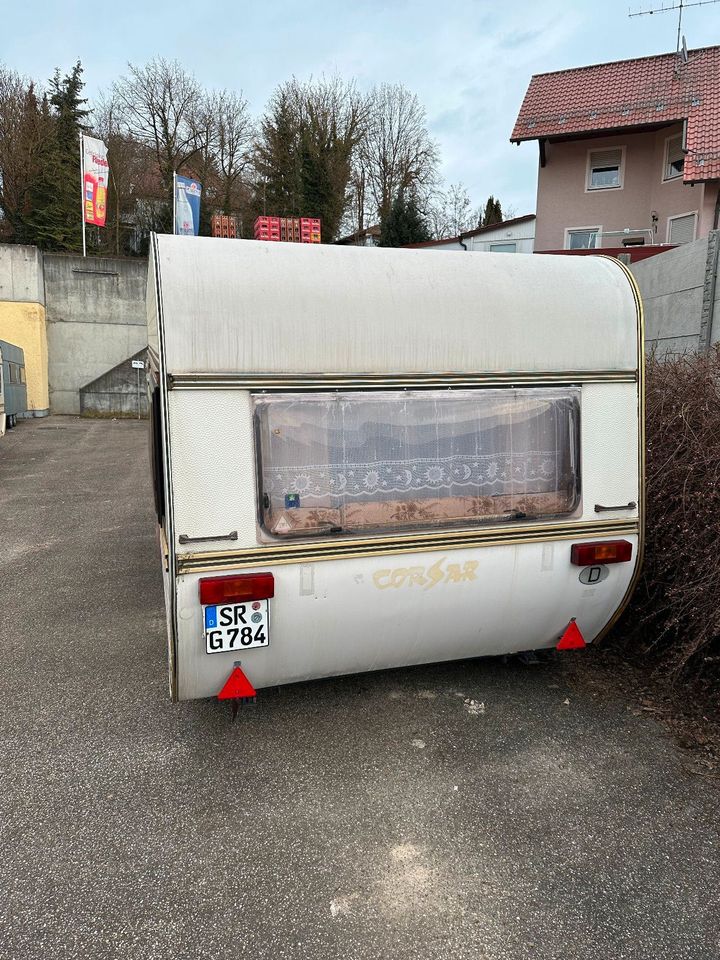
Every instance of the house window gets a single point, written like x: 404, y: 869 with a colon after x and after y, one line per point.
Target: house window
x: 605, y: 169
x: 674, y: 157
x: 682, y: 229
x: 503, y: 248
x: 584, y: 238
x: 387, y: 460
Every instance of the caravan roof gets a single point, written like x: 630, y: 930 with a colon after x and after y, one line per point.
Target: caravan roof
x: 247, y: 306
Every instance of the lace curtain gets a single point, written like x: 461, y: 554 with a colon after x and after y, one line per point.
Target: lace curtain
x: 335, y: 450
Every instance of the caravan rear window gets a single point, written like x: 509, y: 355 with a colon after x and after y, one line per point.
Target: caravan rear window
x: 377, y: 461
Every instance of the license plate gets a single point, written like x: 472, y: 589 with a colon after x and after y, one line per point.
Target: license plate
x: 236, y: 626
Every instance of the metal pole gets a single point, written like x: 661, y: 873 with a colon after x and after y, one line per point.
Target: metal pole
x: 82, y: 192
x: 138, y: 391
x: 174, y: 196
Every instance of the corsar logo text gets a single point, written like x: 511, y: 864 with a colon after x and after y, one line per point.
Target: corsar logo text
x: 426, y: 577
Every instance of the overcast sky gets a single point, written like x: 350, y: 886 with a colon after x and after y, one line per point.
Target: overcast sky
x: 469, y: 62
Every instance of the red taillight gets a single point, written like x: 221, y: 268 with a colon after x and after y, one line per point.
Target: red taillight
x: 606, y: 551
x: 236, y: 589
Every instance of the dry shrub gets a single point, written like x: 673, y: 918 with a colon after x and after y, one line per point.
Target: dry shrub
x: 673, y: 620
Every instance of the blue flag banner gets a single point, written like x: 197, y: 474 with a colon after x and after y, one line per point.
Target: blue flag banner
x: 187, y: 206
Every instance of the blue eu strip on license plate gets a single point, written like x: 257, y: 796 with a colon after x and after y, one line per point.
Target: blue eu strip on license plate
x: 230, y: 627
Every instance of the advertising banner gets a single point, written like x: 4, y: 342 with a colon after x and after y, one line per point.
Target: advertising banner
x: 187, y: 206
x: 95, y: 181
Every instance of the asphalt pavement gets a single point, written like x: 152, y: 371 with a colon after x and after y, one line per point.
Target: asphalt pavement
x: 480, y: 809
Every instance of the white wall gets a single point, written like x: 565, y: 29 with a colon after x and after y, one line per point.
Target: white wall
x: 445, y: 245
x: 521, y: 234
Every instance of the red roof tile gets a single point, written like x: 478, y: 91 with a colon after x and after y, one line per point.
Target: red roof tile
x: 632, y: 93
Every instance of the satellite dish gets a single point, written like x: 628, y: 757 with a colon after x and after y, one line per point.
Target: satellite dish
x: 683, y: 51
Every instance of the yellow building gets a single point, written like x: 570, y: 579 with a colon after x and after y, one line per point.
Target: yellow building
x: 22, y: 319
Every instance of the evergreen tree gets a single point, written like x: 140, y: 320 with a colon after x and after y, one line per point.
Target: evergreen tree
x: 277, y: 159
x: 303, y: 159
x: 404, y: 224
x: 493, y: 212
x: 55, y: 219
x: 68, y: 106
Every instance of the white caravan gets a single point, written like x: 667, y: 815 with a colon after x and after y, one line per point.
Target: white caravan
x: 369, y: 458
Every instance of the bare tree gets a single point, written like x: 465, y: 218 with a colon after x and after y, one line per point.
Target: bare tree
x: 397, y: 153
x: 159, y: 104
x: 224, y: 135
x: 133, y: 176
x: 233, y: 138
x: 450, y: 212
x: 24, y: 130
x: 356, y: 212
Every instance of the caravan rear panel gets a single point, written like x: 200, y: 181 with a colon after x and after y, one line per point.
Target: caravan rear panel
x: 409, y: 448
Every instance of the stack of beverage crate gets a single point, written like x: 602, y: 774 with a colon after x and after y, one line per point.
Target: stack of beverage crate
x: 288, y: 229
x: 267, y: 228
x: 309, y: 230
x: 222, y: 226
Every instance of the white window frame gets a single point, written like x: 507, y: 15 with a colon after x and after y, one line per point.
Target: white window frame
x: 678, y: 176
x: 568, y: 230
x: 502, y: 243
x: 680, y: 216
x: 621, y: 169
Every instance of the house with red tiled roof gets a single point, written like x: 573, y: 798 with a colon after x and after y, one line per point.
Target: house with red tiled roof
x: 629, y: 152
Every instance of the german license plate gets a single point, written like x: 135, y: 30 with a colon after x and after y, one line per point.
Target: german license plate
x: 236, y: 626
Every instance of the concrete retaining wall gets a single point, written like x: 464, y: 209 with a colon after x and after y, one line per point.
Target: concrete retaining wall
x: 121, y: 392
x: 96, y: 321
x: 21, y: 274
x: 681, y: 297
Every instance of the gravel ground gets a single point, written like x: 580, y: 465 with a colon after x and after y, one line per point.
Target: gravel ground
x: 481, y: 809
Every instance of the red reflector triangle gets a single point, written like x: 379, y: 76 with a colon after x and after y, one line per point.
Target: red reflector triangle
x: 237, y: 686
x: 572, y: 639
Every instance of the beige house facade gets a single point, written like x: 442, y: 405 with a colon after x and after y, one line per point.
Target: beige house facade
x: 629, y: 152
x: 644, y: 198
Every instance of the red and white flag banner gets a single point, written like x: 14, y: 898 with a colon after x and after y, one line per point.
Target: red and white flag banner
x: 95, y: 181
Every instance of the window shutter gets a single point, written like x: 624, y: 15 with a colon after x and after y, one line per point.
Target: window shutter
x: 606, y: 158
x: 675, y: 157
x: 682, y: 229
x: 675, y: 150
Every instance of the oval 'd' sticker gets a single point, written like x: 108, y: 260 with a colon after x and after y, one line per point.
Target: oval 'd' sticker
x: 595, y: 574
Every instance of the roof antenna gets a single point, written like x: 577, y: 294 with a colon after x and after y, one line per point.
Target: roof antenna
x: 666, y: 8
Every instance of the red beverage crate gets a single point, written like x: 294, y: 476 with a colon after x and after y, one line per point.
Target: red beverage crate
x: 222, y: 225
x: 267, y: 222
